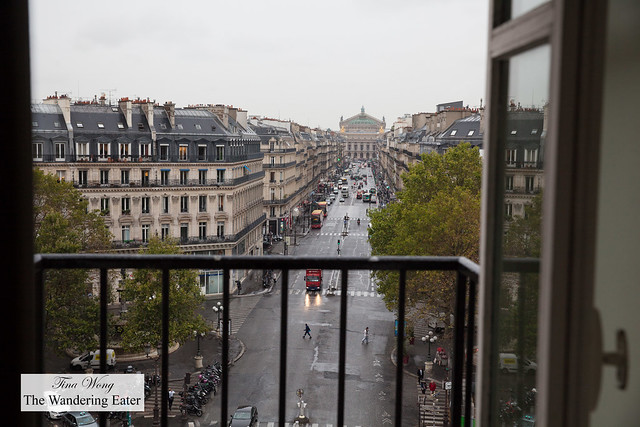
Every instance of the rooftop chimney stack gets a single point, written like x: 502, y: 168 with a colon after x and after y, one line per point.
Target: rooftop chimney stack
x: 64, y: 102
x: 125, y: 106
x: 147, y: 109
x: 241, y: 118
x: 222, y: 111
x: 170, y: 108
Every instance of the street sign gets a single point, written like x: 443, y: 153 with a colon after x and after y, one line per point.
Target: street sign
x: 447, y: 385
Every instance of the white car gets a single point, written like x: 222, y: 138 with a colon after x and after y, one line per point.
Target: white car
x: 342, y: 199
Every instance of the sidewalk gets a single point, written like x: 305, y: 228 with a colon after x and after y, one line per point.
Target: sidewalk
x: 419, y: 354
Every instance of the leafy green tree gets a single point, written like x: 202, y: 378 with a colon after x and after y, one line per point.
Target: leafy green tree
x: 437, y: 214
x: 62, y: 224
x: 144, y: 290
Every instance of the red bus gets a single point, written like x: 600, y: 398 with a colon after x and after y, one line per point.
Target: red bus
x: 316, y: 218
x: 323, y: 207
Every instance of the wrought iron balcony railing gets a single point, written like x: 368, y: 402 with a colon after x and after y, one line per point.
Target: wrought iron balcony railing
x: 465, y: 312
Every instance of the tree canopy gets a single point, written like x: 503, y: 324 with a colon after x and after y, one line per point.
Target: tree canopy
x: 437, y: 214
x: 62, y: 224
x: 144, y: 290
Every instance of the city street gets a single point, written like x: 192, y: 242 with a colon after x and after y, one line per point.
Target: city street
x: 312, y: 363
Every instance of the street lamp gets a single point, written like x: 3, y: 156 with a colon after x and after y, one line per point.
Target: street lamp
x: 296, y: 215
x: 218, y: 309
x: 198, y: 357
x: 156, y: 409
x: 198, y: 335
x: 431, y: 339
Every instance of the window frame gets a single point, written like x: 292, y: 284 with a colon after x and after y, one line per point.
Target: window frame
x: 575, y: 32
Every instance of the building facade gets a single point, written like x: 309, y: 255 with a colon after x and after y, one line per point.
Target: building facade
x: 193, y: 174
x: 361, y: 133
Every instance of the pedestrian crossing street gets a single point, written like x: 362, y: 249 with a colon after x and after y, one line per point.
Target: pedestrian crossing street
x: 338, y: 292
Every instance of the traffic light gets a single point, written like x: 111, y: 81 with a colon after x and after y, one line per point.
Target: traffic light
x: 338, y: 242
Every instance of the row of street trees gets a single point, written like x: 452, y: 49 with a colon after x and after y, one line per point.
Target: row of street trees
x: 437, y: 214
x: 63, y: 224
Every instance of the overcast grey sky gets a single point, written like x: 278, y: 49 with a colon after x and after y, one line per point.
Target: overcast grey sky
x: 308, y: 61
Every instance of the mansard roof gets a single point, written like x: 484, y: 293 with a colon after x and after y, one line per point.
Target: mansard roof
x: 466, y: 129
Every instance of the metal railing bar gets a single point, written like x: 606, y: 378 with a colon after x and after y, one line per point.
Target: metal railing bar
x: 400, y: 345
x: 521, y: 265
x: 466, y: 270
x: 224, y: 399
x: 471, y: 306
x: 165, y: 346
x: 458, y: 351
x: 93, y: 261
x: 342, y: 356
x: 40, y: 317
x: 284, y: 325
x: 104, y: 287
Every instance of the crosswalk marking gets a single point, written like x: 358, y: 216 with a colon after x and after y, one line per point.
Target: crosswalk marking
x: 239, y: 313
x: 352, y: 234
x: 273, y: 424
x: 338, y: 292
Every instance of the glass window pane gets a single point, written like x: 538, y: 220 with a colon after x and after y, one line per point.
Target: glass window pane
x: 522, y: 139
x: 520, y: 7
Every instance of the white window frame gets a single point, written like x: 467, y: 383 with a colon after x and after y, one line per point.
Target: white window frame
x: 60, y: 149
x: 145, y: 230
x: 37, y: 151
x: 104, y: 150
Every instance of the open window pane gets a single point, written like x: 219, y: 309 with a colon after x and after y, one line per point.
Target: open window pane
x: 514, y: 349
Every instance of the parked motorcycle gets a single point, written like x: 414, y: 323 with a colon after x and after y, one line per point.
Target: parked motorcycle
x: 190, y: 409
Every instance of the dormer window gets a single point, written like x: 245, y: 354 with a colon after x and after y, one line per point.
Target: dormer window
x: 534, y: 131
x: 79, y: 125
x: 470, y: 133
x: 140, y: 126
x: 513, y: 132
x: 120, y: 125
x: 34, y: 124
x: 114, y: 109
x: 198, y: 126
x: 56, y: 124
x: 179, y: 126
x: 453, y: 132
x: 163, y: 126
x: 100, y: 125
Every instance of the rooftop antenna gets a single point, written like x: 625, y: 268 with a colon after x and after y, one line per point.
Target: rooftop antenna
x: 109, y: 92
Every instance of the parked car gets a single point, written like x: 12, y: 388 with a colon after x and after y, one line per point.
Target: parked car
x: 92, y: 359
x: 78, y: 418
x: 245, y: 416
x: 529, y: 367
x: 54, y: 415
x: 342, y: 199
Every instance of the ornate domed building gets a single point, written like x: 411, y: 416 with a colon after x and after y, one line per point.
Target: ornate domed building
x: 360, y: 133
